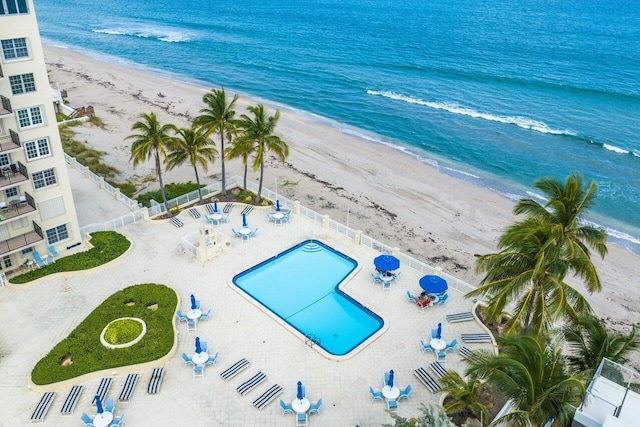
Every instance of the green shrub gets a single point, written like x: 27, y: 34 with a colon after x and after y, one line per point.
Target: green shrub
x: 82, y: 350
x: 171, y: 191
x: 122, y: 331
x: 107, y: 246
x: 126, y: 188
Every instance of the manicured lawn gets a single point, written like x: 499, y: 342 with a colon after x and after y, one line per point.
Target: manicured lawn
x: 107, y: 246
x: 81, y: 352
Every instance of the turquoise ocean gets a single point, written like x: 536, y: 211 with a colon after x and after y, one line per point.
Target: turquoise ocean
x: 496, y: 93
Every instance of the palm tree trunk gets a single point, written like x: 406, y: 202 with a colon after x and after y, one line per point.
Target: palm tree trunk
x: 224, y: 184
x: 246, y: 169
x: 195, y: 169
x: 258, y: 197
x: 164, y: 196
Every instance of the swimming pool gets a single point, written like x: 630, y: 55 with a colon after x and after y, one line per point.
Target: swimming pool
x: 300, y: 286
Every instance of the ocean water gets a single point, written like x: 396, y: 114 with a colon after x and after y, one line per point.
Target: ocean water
x: 496, y: 93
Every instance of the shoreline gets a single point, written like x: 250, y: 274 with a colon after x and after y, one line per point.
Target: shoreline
x: 389, y: 194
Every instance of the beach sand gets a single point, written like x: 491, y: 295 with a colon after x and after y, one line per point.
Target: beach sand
x: 389, y: 195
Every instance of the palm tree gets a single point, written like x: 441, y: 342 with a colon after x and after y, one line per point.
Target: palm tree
x: 193, y: 145
x: 466, y: 394
x: 241, y: 148
x: 530, y: 273
x: 259, y: 130
x: 589, y: 341
x: 532, y: 372
x: 564, y: 212
x: 218, y: 117
x: 151, y: 140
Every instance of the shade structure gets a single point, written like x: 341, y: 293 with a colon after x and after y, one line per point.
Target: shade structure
x: 386, y: 262
x: 278, y: 205
x: 198, y: 348
x: 439, y: 332
x: 433, y: 284
x: 193, y: 302
x: 244, y: 220
x: 215, y: 206
x: 98, y: 404
x: 390, y: 384
x: 299, y: 393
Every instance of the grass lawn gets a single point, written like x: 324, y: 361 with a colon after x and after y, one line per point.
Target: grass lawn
x: 81, y: 352
x: 107, y: 246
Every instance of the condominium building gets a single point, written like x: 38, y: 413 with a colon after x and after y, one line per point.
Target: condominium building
x: 36, y: 205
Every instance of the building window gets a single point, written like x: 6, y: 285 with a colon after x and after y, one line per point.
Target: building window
x: 13, y: 7
x: 37, y: 148
x: 57, y: 234
x: 6, y: 262
x: 27, y: 250
x: 43, y: 178
x: 22, y: 83
x: 11, y: 192
x: 15, y: 48
x: 4, y: 160
x: 29, y: 117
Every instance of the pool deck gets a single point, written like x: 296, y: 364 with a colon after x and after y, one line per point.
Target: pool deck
x: 38, y: 317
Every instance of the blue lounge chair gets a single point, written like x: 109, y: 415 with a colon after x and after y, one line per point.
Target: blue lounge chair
x: 315, y: 407
x: 187, y: 359
x: 404, y: 394
x: 118, y: 421
x: 53, y: 252
x: 425, y: 347
x: 452, y: 345
x: 182, y: 317
x: 87, y: 420
x: 410, y: 298
x: 212, y: 360
x: 286, y: 407
x: 206, y: 316
x: 375, y: 394
x: 38, y: 260
x: 109, y: 405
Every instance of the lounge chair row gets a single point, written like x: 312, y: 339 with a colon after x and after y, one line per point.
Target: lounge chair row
x: 246, y: 386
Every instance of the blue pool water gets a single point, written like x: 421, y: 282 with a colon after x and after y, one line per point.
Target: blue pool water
x: 300, y: 285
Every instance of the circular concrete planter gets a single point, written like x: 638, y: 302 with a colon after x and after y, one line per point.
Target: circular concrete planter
x: 128, y: 344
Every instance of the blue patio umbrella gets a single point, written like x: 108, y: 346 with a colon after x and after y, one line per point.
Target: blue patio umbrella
x: 198, y: 348
x: 390, y: 384
x: 193, y: 302
x: 215, y: 206
x: 299, y: 394
x: 386, y: 262
x: 278, y: 205
x: 433, y: 284
x: 439, y: 333
x: 244, y: 220
x: 98, y: 404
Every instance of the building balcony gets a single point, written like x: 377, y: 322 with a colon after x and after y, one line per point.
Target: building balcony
x: 21, y: 242
x: 9, y: 143
x: 18, y: 208
x: 5, y: 107
x: 14, y: 175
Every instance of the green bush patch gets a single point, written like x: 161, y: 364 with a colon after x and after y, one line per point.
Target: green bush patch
x: 122, y: 331
x: 82, y: 351
x: 107, y: 246
x: 172, y: 191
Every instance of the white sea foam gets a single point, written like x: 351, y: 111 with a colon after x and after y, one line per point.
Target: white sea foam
x: 615, y: 149
x: 157, y: 33
x: 454, y: 108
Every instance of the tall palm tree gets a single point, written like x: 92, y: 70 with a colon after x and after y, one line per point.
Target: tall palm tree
x: 193, y: 145
x: 259, y: 129
x: 532, y: 372
x: 466, y: 394
x: 151, y: 140
x: 218, y: 117
x: 589, y: 341
x: 564, y: 212
x: 530, y: 273
x: 242, y: 149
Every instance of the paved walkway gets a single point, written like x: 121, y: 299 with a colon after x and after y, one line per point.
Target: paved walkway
x: 34, y: 319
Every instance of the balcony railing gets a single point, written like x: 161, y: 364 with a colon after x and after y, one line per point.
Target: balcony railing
x: 23, y: 241
x: 10, y: 142
x: 6, y: 106
x: 17, y: 208
x: 13, y: 176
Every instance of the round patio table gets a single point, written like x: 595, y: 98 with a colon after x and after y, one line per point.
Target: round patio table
x: 300, y: 405
x: 390, y: 393
x: 438, y: 343
x: 200, y: 358
x: 194, y: 314
x: 103, y: 419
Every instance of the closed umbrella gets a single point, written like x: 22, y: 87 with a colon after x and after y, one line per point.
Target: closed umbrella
x: 390, y: 384
x: 433, y: 284
x: 299, y: 394
x: 244, y: 220
x: 98, y: 404
x: 386, y: 262
x: 198, y: 348
x: 439, y: 333
x: 278, y: 205
x: 215, y: 206
x: 193, y: 302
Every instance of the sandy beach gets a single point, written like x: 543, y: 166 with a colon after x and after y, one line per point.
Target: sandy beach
x: 386, y: 193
